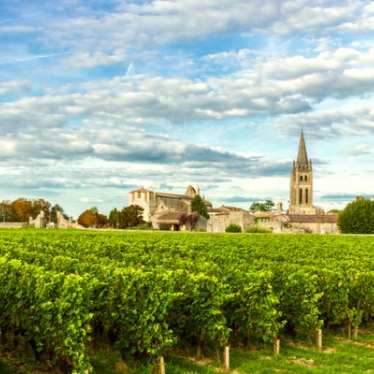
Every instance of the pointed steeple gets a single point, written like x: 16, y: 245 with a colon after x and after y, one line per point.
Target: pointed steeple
x: 302, y: 156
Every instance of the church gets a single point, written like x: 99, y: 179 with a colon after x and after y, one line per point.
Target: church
x: 163, y: 210
x: 302, y: 215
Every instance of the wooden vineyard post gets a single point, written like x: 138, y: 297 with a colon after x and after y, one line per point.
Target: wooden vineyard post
x: 319, y: 339
x: 355, y: 333
x: 198, y: 351
x: 162, y: 365
x: 226, y: 358
x: 276, y: 347
x: 349, y: 330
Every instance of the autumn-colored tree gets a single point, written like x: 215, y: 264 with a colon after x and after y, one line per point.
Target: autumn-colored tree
x: 88, y: 218
x: 22, y: 209
x: 101, y: 220
x: 7, y: 213
x: 92, y: 218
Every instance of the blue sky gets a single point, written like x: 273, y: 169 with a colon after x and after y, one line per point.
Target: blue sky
x: 100, y: 97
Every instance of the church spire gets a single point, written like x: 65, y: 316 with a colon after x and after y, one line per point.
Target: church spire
x: 302, y: 156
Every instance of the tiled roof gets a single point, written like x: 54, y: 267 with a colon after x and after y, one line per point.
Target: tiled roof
x: 313, y: 218
x: 169, y: 217
x: 225, y: 208
x: 173, y: 195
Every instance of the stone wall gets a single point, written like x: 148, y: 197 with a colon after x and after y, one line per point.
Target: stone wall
x: 12, y: 225
x: 39, y: 222
x: 314, y: 227
x: 63, y: 223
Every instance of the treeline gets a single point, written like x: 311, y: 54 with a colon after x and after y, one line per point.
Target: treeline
x: 127, y: 217
x: 22, y: 209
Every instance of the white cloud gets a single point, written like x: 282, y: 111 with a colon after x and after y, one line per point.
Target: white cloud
x: 13, y: 86
x: 93, y: 59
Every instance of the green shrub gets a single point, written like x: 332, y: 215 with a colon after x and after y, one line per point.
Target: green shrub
x: 233, y: 228
x: 143, y: 226
x: 258, y: 229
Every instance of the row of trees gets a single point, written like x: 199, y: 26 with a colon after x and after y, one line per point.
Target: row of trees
x: 131, y: 216
x: 22, y: 209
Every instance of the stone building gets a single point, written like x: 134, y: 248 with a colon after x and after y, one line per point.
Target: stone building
x: 163, y: 209
x: 313, y: 223
x: 220, y: 218
x: 302, y: 215
x: 301, y: 188
x: 273, y: 220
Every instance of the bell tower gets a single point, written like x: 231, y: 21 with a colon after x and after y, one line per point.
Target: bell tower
x: 301, y: 191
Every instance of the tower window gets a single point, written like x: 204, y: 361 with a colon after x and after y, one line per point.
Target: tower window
x: 306, y: 196
x: 300, y: 196
x: 301, y: 178
x: 305, y: 178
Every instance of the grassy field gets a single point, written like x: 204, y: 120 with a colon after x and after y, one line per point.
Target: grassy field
x: 339, y: 356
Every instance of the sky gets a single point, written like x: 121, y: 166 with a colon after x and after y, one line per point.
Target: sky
x: 99, y: 97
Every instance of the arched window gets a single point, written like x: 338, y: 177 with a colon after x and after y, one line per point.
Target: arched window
x: 305, y: 178
x: 301, y: 178
x: 300, y: 196
x: 306, y: 196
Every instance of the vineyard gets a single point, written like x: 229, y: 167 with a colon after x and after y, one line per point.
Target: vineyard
x: 147, y: 294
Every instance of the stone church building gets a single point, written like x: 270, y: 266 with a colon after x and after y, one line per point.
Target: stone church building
x: 163, y: 209
x: 302, y: 215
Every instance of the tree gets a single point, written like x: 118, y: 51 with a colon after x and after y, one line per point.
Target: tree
x: 131, y: 216
x: 88, y: 218
x: 265, y: 206
x: 22, y: 209
x: 189, y: 220
x: 53, y: 213
x: 39, y: 205
x: 198, y: 205
x: 114, y: 219
x: 101, y: 220
x: 357, y: 217
x: 7, y: 213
